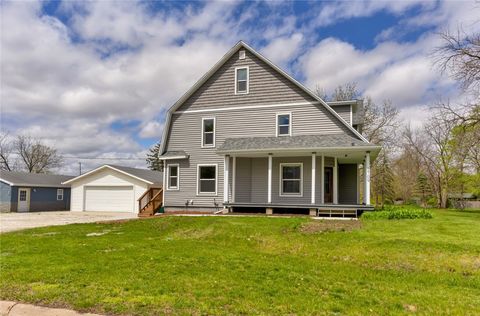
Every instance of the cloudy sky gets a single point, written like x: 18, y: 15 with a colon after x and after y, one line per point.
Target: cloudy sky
x: 94, y: 79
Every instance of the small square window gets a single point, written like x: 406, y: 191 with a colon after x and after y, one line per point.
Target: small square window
x: 241, y: 54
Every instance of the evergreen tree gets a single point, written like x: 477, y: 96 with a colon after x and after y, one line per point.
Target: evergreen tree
x: 422, y: 188
x: 153, y: 160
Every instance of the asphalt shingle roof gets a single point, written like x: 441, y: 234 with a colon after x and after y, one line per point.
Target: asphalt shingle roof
x: 291, y: 142
x: 153, y: 176
x: 34, y: 179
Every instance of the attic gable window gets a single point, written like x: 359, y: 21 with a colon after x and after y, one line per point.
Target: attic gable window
x: 241, y: 54
x: 241, y: 80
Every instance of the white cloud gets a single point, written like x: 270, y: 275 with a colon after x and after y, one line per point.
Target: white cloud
x: 152, y: 129
x: 69, y: 84
x: 282, y: 49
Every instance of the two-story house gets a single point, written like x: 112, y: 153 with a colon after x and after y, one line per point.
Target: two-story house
x: 248, y: 135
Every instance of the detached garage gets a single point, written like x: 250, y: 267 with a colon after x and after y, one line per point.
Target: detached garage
x: 112, y: 188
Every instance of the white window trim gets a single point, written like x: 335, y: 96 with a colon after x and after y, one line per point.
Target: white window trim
x: 60, y: 190
x: 289, y: 126
x: 214, y: 131
x: 169, y: 188
x: 216, y: 179
x: 280, y: 177
x: 248, y: 80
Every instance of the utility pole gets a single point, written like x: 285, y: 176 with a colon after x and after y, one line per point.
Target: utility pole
x: 80, y: 168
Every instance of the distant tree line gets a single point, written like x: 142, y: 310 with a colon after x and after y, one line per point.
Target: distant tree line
x: 442, y: 157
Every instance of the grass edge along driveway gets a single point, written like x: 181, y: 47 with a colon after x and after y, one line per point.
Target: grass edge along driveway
x: 248, y: 265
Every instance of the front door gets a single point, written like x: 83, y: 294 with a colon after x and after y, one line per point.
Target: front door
x: 328, y: 185
x: 23, y: 200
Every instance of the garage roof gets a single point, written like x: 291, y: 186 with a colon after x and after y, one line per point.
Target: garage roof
x: 34, y: 179
x: 149, y: 176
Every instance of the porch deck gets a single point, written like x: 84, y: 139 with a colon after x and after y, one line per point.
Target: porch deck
x: 328, y: 206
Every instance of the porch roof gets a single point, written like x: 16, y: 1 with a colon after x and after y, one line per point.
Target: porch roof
x: 302, y: 142
x: 174, y: 155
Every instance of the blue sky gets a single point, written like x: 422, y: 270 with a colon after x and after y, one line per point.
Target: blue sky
x: 94, y: 79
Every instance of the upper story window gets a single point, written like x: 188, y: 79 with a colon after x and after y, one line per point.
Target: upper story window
x: 291, y: 179
x: 241, y: 80
x: 284, y: 124
x: 173, y: 177
x: 208, y: 132
x: 59, y: 194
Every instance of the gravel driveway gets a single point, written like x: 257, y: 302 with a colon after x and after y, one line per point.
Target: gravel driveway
x: 17, y: 221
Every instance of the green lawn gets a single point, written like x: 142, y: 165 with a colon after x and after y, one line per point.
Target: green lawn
x: 249, y: 265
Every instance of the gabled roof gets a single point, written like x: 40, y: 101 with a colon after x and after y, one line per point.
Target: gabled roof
x: 34, y: 179
x: 222, y: 61
x: 148, y: 176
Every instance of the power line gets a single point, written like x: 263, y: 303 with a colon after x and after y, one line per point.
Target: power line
x: 102, y: 158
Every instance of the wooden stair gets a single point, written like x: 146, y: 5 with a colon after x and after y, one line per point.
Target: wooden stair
x: 150, y: 202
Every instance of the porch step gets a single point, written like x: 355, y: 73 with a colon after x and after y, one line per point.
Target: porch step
x: 337, y: 212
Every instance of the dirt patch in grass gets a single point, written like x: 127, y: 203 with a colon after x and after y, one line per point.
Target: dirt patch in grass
x: 320, y: 226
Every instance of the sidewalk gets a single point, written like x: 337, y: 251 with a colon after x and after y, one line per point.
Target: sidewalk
x: 19, y: 309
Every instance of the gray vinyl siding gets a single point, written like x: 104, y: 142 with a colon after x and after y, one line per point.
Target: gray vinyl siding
x: 243, y: 180
x: 347, y: 184
x: 252, y: 184
x: 5, y: 197
x: 266, y: 86
x: 344, y: 112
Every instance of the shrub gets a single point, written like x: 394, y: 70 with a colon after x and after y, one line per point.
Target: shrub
x: 400, y: 213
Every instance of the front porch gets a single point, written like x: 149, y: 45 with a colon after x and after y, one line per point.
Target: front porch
x: 322, y: 182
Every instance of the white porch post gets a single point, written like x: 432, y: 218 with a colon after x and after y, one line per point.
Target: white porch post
x: 366, y: 180
x: 234, y: 176
x: 314, y: 168
x: 358, y: 183
x: 226, y: 170
x: 322, y: 180
x: 269, y: 198
x: 335, y: 182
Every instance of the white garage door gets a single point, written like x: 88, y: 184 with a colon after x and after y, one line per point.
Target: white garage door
x: 109, y: 199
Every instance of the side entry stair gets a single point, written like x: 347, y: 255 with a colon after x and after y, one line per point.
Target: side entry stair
x: 150, y: 202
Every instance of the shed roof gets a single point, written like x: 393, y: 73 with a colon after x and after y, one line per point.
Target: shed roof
x: 294, y: 142
x: 34, y: 179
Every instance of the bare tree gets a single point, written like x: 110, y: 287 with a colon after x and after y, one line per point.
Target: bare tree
x: 345, y: 92
x: 460, y: 57
x: 36, y: 156
x: 6, y: 162
x: 381, y: 122
x: 433, y: 145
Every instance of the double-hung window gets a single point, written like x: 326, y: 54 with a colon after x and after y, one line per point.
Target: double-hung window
x: 59, y: 194
x: 241, y: 80
x: 207, y: 179
x: 284, y: 124
x: 173, y: 177
x: 208, y: 132
x: 291, y: 179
